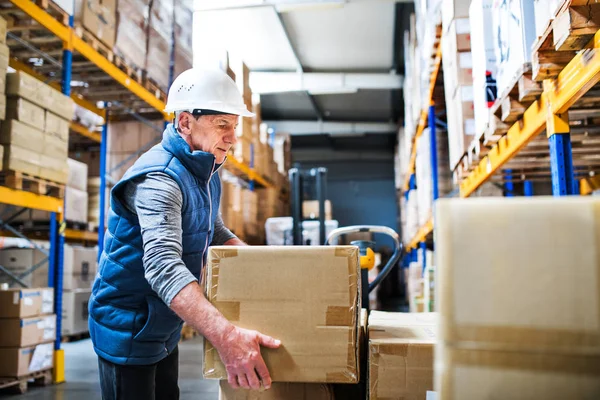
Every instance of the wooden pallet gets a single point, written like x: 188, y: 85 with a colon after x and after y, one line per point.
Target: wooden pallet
x: 29, y: 183
x: 570, y: 31
x: 153, y: 87
x: 19, y: 385
x: 520, y: 93
x: 131, y: 71
x: 75, y: 337
x: 94, y: 42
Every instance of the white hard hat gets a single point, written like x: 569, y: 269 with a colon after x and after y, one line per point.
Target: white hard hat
x: 206, y: 89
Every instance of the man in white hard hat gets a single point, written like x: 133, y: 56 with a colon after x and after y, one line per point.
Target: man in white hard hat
x: 163, y: 216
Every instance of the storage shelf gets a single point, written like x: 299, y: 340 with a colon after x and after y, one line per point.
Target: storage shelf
x: 422, y: 234
x: 34, y: 201
x: 74, y: 234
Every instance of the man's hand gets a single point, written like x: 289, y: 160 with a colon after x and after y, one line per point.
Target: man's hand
x: 240, y: 352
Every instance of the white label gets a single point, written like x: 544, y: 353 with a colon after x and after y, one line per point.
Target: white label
x: 47, y: 301
x: 431, y: 395
x: 16, y: 298
x: 462, y: 26
x: 42, y: 357
x: 41, y: 324
x: 28, y: 301
x: 465, y: 60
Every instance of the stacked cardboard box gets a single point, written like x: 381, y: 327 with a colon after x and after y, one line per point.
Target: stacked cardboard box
x: 484, y: 70
x: 94, y: 201
x: 98, y: 17
x: 401, y: 354
x: 36, y: 132
x: 518, y: 297
x: 458, y: 87
x: 310, y: 209
x: 132, y: 31
x: 266, y: 288
x: 514, y: 34
x: 125, y: 141
x: 4, y: 55
x: 27, y: 330
x: 76, y: 204
x: 184, y: 21
x: 160, y: 39
x: 250, y: 214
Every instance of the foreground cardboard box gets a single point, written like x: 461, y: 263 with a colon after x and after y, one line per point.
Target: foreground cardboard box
x: 278, y: 391
x: 22, y: 361
x: 307, y: 297
x: 75, y: 311
x: 25, y: 332
x: 22, y: 303
x: 401, y: 355
x: 523, y: 277
x: 478, y: 374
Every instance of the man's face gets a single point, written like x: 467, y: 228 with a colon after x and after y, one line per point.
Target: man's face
x: 213, y: 134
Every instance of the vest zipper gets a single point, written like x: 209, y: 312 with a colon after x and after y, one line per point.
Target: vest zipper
x: 212, y: 171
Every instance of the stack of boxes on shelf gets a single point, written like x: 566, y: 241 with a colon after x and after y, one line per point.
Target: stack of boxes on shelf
x: 93, y: 187
x: 457, y: 63
x: 76, y: 204
x: 132, y: 32
x: 36, y: 130
x: 4, y: 55
x: 160, y: 42
x: 419, y: 282
x: 27, y: 331
x: 184, y: 20
x: 246, y: 135
x: 96, y: 16
x: 514, y: 321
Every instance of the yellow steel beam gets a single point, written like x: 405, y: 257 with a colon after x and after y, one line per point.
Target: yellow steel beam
x: 78, y: 99
x: 83, y: 131
x: 73, y: 234
x: 20, y: 198
x: 234, y: 165
x: 423, y: 118
x: 67, y: 35
x: 581, y: 74
x: 588, y: 185
x: 421, y: 235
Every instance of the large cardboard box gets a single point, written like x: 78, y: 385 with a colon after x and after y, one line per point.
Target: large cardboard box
x: 21, y: 303
x: 78, y: 174
x: 310, y: 209
x: 20, y: 84
x: 56, y: 148
x: 132, y: 31
x: 18, y: 362
x: 61, y: 105
x: 26, y: 112
x: 57, y: 126
x: 278, y: 391
x: 19, y: 134
x: 75, y: 311
x: 2, y: 101
x: 242, y: 150
x: 4, y: 57
x: 307, y: 297
x: 401, y: 354
x: 468, y: 374
x: 99, y: 17
x: 3, y: 29
x: 514, y: 34
x: 54, y: 168
x: 76, y: 205
x: 19, y: 159
x: 25, y: 332
x: 523, y: 277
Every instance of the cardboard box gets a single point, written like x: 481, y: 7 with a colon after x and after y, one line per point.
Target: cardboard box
x: 243, y: 149
x: 19, y: 159
x: 18, y: 362
x: 500, y: 284
x: 21, y: 303
x: 27, y: 331
x: 245, y: 129
x: 76, y: 205
x: 99, y: 17
x: 460, y: 33
x: 75, y: 311
x: 57, y: 126
x: 401, y: 354
x: 79, y: 266
x: 4, y: 57
x: 16, y: 133
x: 56, y: 148
x: 78, y: 174
x: 2, y: 101
x: 278, y: 391
x: 20, y: 84
x: 310, y: 209
x: 3, y: 29
x: 514, y: 34
x: 26, y: 112
x: 54, y: 169
x: 307, y: 297
x: 132, y: 31
x: 61, y: 105
x: 477, y: 374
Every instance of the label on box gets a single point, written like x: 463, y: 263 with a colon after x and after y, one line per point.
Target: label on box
x: 47, y: 301
x: 462, y: 26
x: 16, y: 298
x: 49, y: 327
x: 28, y: 301
x: 42, y: 357
x: 465, y: 60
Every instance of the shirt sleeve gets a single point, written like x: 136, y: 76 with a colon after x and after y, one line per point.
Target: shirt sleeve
x: 222, y: 233
x: 157, y: 201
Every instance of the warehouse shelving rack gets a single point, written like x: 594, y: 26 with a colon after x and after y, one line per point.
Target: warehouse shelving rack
x: 550, y: 113
x: 84, y: 60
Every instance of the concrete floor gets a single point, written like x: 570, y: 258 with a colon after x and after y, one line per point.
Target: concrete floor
x: 81, y: 372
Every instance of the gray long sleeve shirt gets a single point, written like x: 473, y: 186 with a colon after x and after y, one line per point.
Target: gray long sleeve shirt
x: 157, y: 201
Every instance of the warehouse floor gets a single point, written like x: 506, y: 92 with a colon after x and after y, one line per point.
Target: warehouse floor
x: 81, y: 370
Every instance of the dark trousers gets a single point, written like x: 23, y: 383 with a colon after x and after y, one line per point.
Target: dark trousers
x: 140, y: 382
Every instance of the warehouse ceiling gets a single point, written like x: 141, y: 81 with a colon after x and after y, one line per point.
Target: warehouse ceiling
x: 327, y: 66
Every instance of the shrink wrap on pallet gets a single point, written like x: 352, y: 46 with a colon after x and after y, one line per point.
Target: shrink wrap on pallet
x: 160, y: 38
x: 184, y: 21
x: 132, y: 31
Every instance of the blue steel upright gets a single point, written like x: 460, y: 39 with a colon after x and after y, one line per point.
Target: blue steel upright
x: 251, y: 183
x: 433, y: 153
x: 561, y: 164
x: 528, y: 188
x: 423, y: 248
x: 103, y: 143
x: 509, y: 186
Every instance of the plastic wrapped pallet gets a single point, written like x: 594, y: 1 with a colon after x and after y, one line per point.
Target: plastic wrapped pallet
x: 99, y: 18
x: 160, y: 39
x: 132, y: 31
x: 4, y: 56
x: 514, y: 34
x: 75, y: 311
x: 184, y: 21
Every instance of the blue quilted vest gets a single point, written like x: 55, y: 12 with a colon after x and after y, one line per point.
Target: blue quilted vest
x: 129, y: 323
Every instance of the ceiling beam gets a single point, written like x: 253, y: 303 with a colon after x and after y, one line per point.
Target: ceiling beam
x: 281, y: 5
x: 332, y: 128
x: 322, y: 82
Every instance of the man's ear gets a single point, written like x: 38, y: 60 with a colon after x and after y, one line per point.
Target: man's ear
x: 184, y: 123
